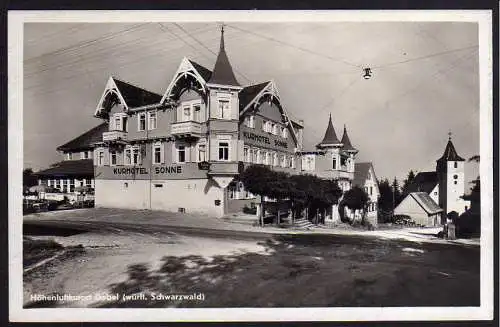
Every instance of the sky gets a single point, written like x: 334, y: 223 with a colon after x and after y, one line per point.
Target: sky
x: 424, y: 84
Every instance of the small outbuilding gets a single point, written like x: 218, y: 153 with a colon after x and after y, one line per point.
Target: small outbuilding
x: 421, y: 208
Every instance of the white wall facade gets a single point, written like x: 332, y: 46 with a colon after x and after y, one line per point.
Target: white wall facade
x: 193, y: 195
x: 455, y: 180
x: 410, y: 207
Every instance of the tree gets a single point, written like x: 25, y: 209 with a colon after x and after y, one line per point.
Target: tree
x: 29, y: 178
x: 356, y: 199
x: 407, y: 182
x: 385, y: 200
x: 396, y: 192
x: 258, y: 180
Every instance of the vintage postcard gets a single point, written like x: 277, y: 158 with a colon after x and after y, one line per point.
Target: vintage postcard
x: 250, y: 166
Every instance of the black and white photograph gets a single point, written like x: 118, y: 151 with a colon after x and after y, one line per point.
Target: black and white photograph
x: 328, y: 165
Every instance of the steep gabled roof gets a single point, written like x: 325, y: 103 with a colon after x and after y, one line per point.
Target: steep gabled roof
x: 361, y: 170
x: 426, y: 202
x: 248, y: 93
x: 424, y: 181
x: 135, y: 96
x: 204, y: 72
x: 450, y: 154
x: 347, y: 142
x: 85, y: 140
x: 84, y: 167
x: 223, y: 72
x: 330, y: 137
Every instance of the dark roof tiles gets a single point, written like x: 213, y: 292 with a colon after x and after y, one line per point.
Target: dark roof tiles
x: 204, y: 72
x: 330, y: 137
x: 347, y: 142
x: 135, y: 96
x: 85, y: 140
x: 450, y: 154
x: 248, y: 93
x: 84, y: 168
x: 223, y: 72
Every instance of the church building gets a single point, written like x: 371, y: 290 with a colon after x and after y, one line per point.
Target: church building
x: 437, y: 192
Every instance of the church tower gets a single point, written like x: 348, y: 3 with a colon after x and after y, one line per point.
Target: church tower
x: 450, y: 170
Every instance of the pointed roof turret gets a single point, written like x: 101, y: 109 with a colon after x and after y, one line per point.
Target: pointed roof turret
x: 223, y: 72
x: 330, y: 138
x: 450, y: 154
x: 347, y: 142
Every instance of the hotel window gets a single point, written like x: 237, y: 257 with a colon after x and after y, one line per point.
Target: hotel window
x: 128, y: 156
x: 186, y: 113
x: 152, y: 120
x: 253, y: 155
x: 202, y: 153
x: 118, y: 123
x: 224, y: 110
x: 275, y: 159
x: 88, y: 182
x: 136, y: 156
x: 246, y: 156
x: 266, y: 157
x: 69, y: 156
x: 72, y: 185
x: 264, y: 126
x: 334, y: 165
x: 291, y: 163
x: 197, y: 113
x: 65, y: 185
x: 141, y: 122
x: 283, y: 160
x: 112, y: 155
x: 275, y: 129
x: 259, y: 158
x: 250, y: 121
x: 284, y: 132
x: 224, y: 151
x: 455, y: 164
x: 100, y: 158
x: 181, y: 153
x: 86, y: 154
x: 157, y: 153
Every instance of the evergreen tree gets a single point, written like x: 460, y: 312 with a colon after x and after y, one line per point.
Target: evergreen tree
x: 385, y: 200
x: 407, y: 182
x: 397, y: 196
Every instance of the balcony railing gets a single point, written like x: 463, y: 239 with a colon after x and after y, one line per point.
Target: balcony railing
x: 186, y: 129
x: 114, y: 136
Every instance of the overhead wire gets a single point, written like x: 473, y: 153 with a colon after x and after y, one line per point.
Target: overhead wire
x: 117, y: 51
x: 83, y: 44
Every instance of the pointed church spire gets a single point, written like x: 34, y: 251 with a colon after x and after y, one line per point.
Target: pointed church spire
x: 450, y: 154
x: 223, y: 72
x: 347, y: 142
x: 330, y: 137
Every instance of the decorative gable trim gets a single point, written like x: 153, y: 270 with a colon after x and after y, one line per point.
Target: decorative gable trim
x: 185, y: 68
x: 110, y: 88
x: 271, y: 90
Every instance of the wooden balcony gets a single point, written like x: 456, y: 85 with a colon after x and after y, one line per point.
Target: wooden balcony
x: 114, y: 136
x: 186, y: 129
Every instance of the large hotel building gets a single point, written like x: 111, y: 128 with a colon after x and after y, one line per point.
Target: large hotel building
x: 182, y: 150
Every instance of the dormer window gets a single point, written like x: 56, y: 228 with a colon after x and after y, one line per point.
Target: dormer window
x: 120, y: 122
x: 190, y: 111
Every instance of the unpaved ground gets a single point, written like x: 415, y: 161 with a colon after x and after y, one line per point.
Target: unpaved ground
x: 107, y: 257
